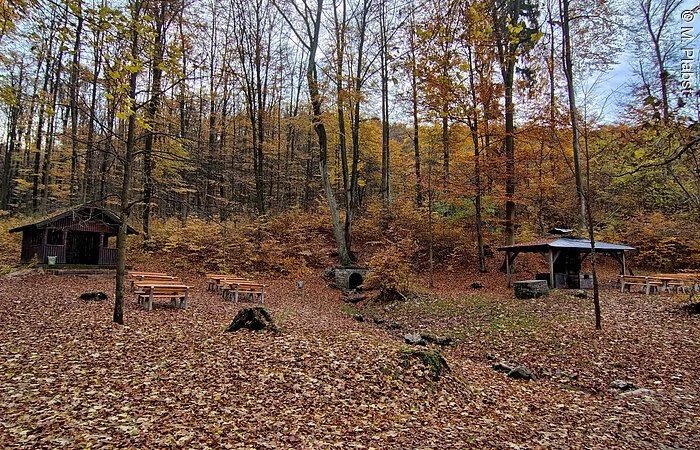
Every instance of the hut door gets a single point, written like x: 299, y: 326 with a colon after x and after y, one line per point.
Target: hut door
x: 82, y: 248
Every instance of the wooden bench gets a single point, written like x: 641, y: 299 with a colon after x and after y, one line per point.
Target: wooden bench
x: 215, y: 281
x: 177, y: 293
x: 236, y: 289
x: 647, y: 283
x: 226, y: 284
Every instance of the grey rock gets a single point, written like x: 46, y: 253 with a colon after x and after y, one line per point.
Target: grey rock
x: 444, y: 341
x: 531, y: 288
x: 354, y: 299
x: 414, y: 339
x: 521, y: 373
x: 639, y: 392
x: 623, y: 385
x: 429, y: 337
x: 329, y: 274
x: 502, y: 367
x: 581, y: 294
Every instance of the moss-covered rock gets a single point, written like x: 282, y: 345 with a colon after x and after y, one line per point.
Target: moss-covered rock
x: 432, y: 359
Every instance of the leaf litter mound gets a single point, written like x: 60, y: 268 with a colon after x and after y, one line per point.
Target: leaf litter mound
x: 172, y: 378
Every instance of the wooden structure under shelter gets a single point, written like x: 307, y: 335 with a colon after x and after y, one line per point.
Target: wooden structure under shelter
x: 565, y: 256
x: 77, y: 236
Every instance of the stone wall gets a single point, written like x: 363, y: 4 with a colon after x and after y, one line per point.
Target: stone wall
x: 531, y: 288
x: 350, y: 277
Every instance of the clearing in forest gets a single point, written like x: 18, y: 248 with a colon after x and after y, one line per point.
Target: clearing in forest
x: 176, y: 378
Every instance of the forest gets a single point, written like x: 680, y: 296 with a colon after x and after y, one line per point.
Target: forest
x: 497, y: 112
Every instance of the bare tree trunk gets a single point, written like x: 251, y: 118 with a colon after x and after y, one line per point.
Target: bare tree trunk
x: 40, y: 121
x: 90, y: 156
x: 50, y: 138
x: 125, y: 206
x: 74, y: 92
x: 445, y: 147
x: 569, y: 72
x: 510, y: 154
x: 414, y: 108
x: 315, y: 95
x: 591, y: 235
x: 151, y: 112
x: 10, y: 148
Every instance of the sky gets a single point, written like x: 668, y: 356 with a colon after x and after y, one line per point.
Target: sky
x: 617, y: 82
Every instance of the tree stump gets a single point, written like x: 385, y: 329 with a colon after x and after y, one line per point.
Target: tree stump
x: 254, y: 319
x: 531, y: 288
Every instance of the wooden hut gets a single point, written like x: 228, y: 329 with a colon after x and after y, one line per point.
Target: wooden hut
x: 78, y: 236
x: 565, y: 256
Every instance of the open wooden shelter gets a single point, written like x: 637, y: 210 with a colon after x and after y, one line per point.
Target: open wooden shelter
x: 565, y: 256
x: 77, y: 236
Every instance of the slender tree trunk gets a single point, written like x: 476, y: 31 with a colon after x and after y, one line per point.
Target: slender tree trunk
x: 430, y: 217
x: 38, y: 153
x: 510, y: 154
x: 74, y: 93
x: 151, y: 113
x: 340, y: 42
x: 386, y: 156
x: 320, y: 129
x: 414, y: 108
x: 90, y: 156
x: 125, y: 207
x: 384, y: 77
x: 591, y: 235
x: 10, y: 148
x: 50, y: 135
x: 474, y: 129
x: 569, y: 72
x: 445, y: 147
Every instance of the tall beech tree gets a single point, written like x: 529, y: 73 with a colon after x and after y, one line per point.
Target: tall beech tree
x: 133, y: 67
x: 515, y: 31
x: 308, y: 31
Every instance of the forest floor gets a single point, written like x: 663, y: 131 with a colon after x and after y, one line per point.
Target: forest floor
x: 174, y: 378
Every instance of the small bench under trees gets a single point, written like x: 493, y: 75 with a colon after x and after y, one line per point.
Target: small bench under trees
x: 648, y: 284
x: 236, y: 289
x: 176, y: 293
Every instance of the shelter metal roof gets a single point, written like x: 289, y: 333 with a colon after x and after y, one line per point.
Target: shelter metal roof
x: 565, y: 243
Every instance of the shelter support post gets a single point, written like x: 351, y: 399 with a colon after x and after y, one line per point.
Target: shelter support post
x: 510, y: 259
x: 551, y: 269
x: 620, y: 257
x: 508, y: 268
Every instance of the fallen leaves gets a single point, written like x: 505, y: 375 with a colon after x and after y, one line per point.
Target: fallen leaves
x: 175, y: 379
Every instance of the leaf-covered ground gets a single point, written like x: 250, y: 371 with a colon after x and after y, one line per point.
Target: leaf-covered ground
x: 170, y: 378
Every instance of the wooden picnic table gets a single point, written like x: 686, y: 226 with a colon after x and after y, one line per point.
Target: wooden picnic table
x: 679, y: 281
x: 177, y: 293
x: 215, y: 282
x: 133, y: 273
x: 235, y: 288
x: 153, y: 278
x: 645, y: 282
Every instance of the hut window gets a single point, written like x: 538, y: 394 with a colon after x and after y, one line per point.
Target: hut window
x: 55, y: 237
x: 36, y: 238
